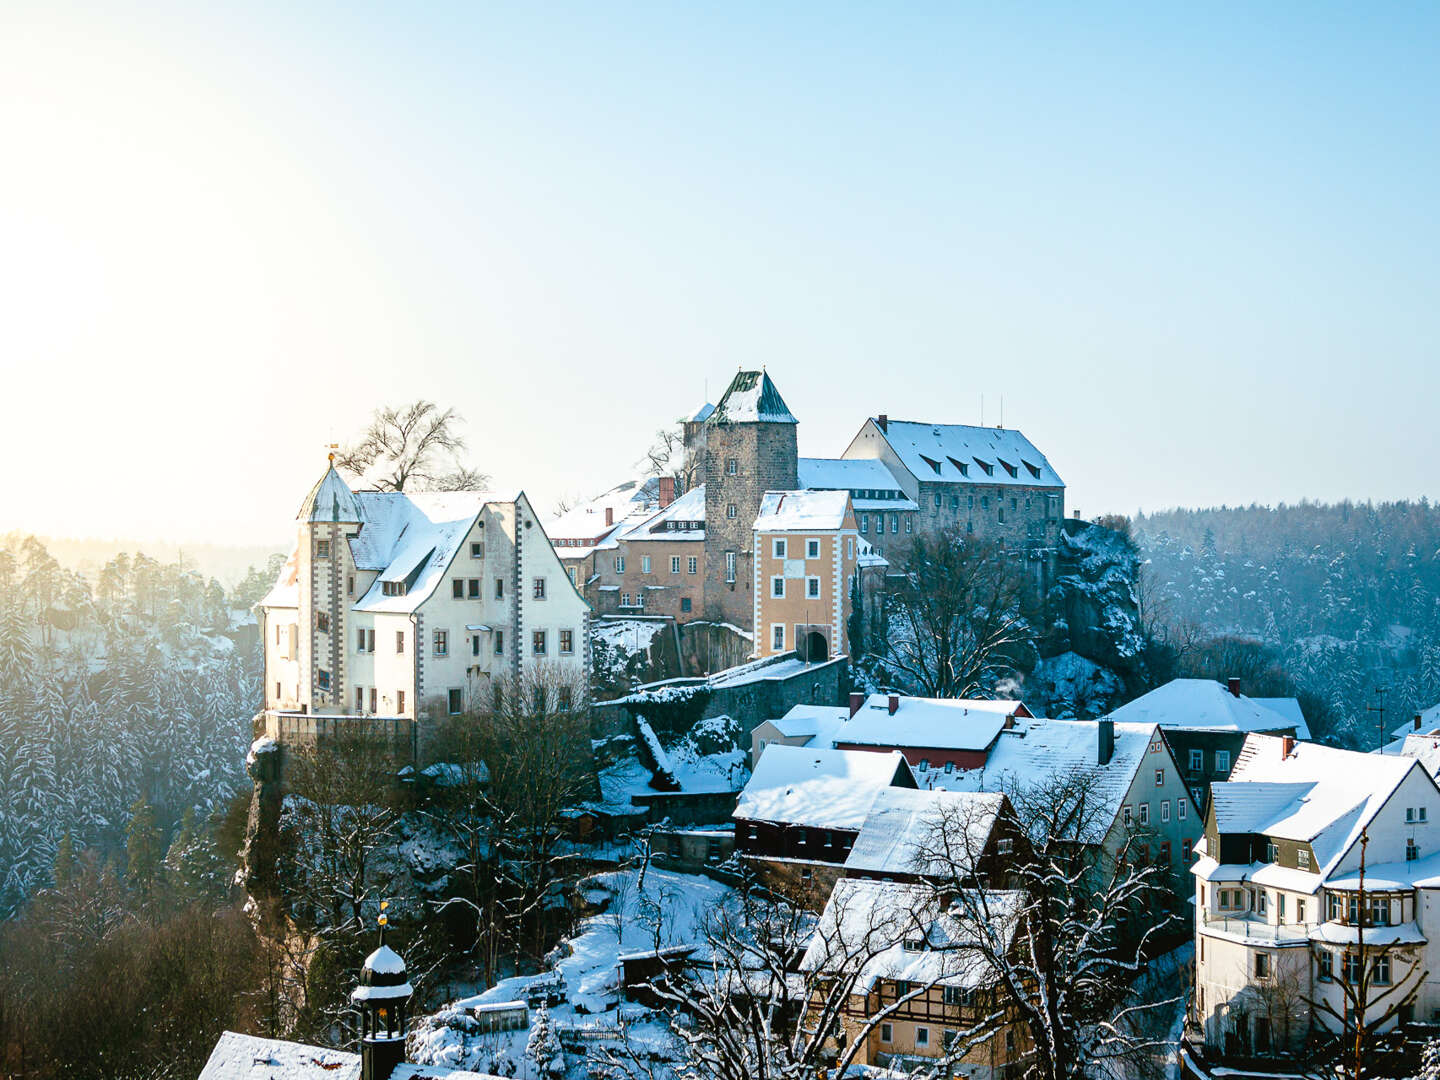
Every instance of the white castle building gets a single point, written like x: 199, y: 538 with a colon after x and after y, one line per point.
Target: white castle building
x: 411, y: 605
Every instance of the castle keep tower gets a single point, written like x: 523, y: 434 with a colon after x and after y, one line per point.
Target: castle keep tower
x: 329, y: 516
x: 750, y: 448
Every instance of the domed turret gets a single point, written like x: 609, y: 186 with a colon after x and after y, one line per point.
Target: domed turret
x: 382, y: 998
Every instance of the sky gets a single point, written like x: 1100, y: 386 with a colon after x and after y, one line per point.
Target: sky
x: 1194, y: 248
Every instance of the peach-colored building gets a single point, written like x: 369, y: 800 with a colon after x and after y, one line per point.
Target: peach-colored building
x: 806, y: 550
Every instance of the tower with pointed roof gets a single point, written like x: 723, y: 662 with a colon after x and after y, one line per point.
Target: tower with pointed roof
x: 750, y: 448
x: 328, y: 517
x: 382, y: 999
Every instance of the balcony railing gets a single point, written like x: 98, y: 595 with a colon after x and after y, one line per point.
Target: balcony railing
x: 1256, y: 929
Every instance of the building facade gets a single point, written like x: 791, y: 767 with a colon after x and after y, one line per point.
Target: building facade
x: 805, y: 561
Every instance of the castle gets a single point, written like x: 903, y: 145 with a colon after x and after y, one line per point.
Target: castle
x: 701, y: 545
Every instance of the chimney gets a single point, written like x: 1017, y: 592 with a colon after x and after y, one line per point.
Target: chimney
x: 1234, y: 684
x: 609, y: 516
x: 883, y: 422
x: 1105, y: 749
x: 1417, y: 721
x: 1287, y: 746
x: 1077, y: 515
x: 667, y: 491
x: 856, y: 700
x: 894, y: 703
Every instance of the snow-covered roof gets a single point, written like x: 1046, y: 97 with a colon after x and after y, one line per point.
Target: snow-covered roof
x: 700, y: 415
x: 1429, y: 721
x: 751, y: 398
x: 412, y: 537
x: 811, y: 720
x: 1041, y: 751
x: 848, y: 474
x: 825, y: 789
x: 285, y: 593
x: 866, y: 555
x: 899, y: 931
x: 961, y: 454
x: 802, y: 511
x: 903, y: 823
x: 1333, y: 794
x: 1204, y: 703
x: 1424, y: 748
x: 1289, y: 708
x: 330, y: 500
x: 586, y: 522
x: 928, y: 723
x: 249, y: 1057
x: 683, y: 519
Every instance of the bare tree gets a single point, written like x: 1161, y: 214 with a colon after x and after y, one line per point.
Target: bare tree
x: 955, y: 612
x: 669, y: 456
x: 414, y: 447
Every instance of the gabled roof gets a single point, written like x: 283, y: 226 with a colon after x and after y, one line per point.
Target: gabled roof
x: 928, y: 723
x: 802, y: 511
x: 824, y: 789
x: 330, y: 500
x: 1424, y: 748
x: 1333, y: 794
x: 903, y: 823
x: 1036, y: 752
x: 627, y: 502
x: 811, y: 720
x: 1429, y: 721
x: 867, y: 923
x: 1206, y: 704
x: 686, y: 511
x: 961, y: 454
x: 751, y: 399
x: 1289, y: 708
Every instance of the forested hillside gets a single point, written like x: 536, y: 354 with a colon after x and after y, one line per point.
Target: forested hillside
x: 121, y: 696
x: 1341, y: 601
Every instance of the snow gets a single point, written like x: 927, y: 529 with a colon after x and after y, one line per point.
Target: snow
x: 385, y: 961
x: 751, y: 398
x: 953, y: 445
x: 848, y: 474
x: 683, y: 519
x: 248, y: 1057
x: 827, y: 789
x: 864, y: 917
x: 260, y: 747
x: 772, y: 667
x: 330, y: 500
x: 652, y: 744
x: 927, y: 723
x: 381, y: 993
x: 1203, y: 703
x: 1343, y: 791
x: 818, y: 721
x: 1424, y: 749
x: 1271, y: 874
x: 586, y: 522
x: 901, y: 823
x: 802, y: 511
x: 1429, y: 721
x: 1334, y: 933
x: 1253, y: 807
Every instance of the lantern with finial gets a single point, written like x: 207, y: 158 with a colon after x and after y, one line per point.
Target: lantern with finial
x: 382, y: 998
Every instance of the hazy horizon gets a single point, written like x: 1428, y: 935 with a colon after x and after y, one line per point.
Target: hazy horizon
x: 1194, y: 249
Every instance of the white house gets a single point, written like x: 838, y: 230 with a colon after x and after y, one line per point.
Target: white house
x: 1318, y: 874
x: 401, y: 604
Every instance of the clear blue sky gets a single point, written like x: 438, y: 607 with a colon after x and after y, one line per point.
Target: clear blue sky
x: 1195, y: 247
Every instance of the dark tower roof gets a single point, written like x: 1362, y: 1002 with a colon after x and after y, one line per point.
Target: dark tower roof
x: 752, y: 399
x: 383, y: 977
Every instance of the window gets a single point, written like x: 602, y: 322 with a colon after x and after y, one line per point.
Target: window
x: 805, y: 873
x: 392, y: 588
x: 567, y: 642
x: 538, y: 587
x: 350, y: 585
x: 537, y: 643
x: 777, y: 587
x: 901, y: 987
x: 779, y: 548
x: 1165, y: 810
x: 1262, y: 965
x: 645, y: 564
x: 924, y: 765
x: 1280, y: 906
x: 322, y: 549
x: 812, y: 588
x: 399, y: 641
x: 954, y: 995
x: 373, y: 693
x: 730, y: 510
x: 442, y: 642
x: 1380, y: 970
x: 1353, y: 967
x: 619, y: 564
x: 1159, y: 777
x: 625, y: 600
x: 499, y: 588
x: 1164, y: 857
x: 1144, y: 813
x: 1261, y: 901
x: 922, y: 1036
x: 1185, y: 849
x: 570, y: 572
x: 1412, y: 851
x: 456, y: 701
x: 864, y: 523
x: 937, y: 501
x: 477, y: 550
x: 1180, y: 808
x: 457, y: 589
x: 322, y: 679
x: 472, y: 588
x: 1420, y: 812
x: 400, y: 701
x: 322, y: 622
x: 1302, y: 858
x: 364, y: 640
x: 1299, y: 910
x: 914, y: 944
x: 1125, y: 814
x: 729, y: 566
x: 474, y: 644
x: 1272, y: 853
x: 692, y: 564
x: 887, y: 1032
x: 1327, y: 966
x: 359, y: 699
x: 499, y: 642
x: 685, y: 603
x: 674, y: 564
x: 1005, y: 845
x: 1222, y: 761
x: 732, y: 466
x: 909, y: 521
x: 777, y: 636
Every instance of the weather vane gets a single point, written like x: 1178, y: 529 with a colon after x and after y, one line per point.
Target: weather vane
x: 384, y: 919
x: 332, y: 447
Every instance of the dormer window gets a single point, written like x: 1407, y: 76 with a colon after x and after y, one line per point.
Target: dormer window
x: 392, y: 588
x: 1033, y: 470
x: 934, y: 465
x: 1011, y: 469
x: 964, y: 468
x: 914, y: 944
x: 985, y: 466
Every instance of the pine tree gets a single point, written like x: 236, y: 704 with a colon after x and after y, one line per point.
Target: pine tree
x: 543, y: 1047
x: 1430, y: 1061
x: 143, y: 848
x: 63, y: 870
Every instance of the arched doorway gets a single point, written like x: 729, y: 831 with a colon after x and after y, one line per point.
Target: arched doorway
x: 814, y: 648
